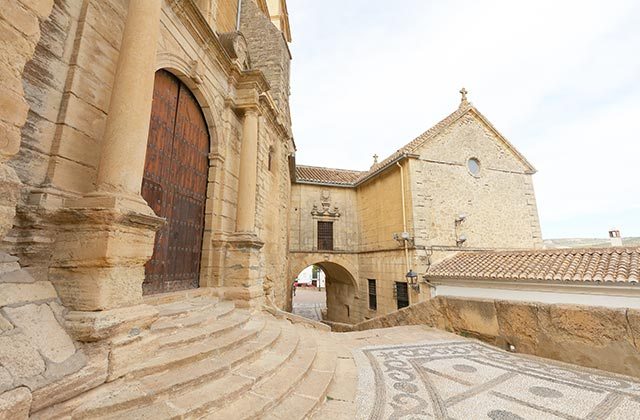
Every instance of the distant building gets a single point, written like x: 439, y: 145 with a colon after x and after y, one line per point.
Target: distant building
x: 585, y: 276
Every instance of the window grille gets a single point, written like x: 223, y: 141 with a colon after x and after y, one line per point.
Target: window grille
x: 325, y: 236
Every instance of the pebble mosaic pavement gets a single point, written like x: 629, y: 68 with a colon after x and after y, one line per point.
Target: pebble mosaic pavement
x: 466, y: 379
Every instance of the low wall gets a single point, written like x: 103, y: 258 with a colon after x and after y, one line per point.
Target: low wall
x: 592, y: 336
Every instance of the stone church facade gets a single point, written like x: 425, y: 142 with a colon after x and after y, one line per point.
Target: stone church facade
x: 459, y: 186
x: 147, y: 158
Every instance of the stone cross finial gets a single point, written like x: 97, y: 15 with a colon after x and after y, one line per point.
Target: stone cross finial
x: 463, y: 92
x: 375, y: 159
x: 463, y: 99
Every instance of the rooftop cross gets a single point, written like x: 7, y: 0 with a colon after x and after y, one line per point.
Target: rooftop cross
x: 375, y: 159
x: 463, y: 92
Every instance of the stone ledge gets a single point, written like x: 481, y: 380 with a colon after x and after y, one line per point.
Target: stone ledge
x: 597, y: 337
x: 95, y: 326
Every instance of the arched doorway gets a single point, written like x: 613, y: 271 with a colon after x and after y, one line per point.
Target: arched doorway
x: 309, y: 294
x: 175, y: 185
x: 339, y: 293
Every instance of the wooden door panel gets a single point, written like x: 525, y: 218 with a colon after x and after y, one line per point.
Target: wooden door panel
x: 175, y: 184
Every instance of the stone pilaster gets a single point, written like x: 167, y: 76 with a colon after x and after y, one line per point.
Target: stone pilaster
x: 246, y: 214
x: 106, y: 237
x: 244, y: 272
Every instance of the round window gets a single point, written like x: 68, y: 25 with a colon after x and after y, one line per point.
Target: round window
x: 473, y: 165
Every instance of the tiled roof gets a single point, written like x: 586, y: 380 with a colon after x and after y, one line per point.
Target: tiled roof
x: 326, y: 175
x: 352, y: 178
x: 614, y: 264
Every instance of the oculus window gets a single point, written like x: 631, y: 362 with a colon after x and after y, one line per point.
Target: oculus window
x: 473, y: 165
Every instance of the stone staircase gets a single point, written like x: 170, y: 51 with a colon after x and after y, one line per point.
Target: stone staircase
x: 212, y: 360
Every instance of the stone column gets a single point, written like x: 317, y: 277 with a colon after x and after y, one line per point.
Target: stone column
x: 106, y: 237
x: 245, y: 263
x: 124, y: 144
x: 245, y: 216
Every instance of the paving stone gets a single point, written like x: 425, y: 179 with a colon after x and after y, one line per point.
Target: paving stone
x: 15, y: 404
x: 39, y: 324
x: 14, y: 293
x: 16, y: 276
x: 19, y: 356
x: 6, y: 258
x: 5, y: 325
x: 8, y: 267
x: 6, y: 381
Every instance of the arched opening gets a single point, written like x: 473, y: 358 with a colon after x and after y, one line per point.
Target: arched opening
x: 309, y: 293
x: 175, y: 185
x: 332, y: 296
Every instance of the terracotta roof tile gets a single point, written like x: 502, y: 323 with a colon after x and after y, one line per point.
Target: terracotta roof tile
x: 616, y: 264
x: 326, y: 175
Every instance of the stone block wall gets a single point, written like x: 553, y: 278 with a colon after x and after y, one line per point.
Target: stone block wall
x: 303, y: 234
x: 269, y: 53
x: 68, y: 87
x: 596, y: 337
x: 19, y: 34
x: 36, y: 352
x: 499, y: 203
x: 380, y: 210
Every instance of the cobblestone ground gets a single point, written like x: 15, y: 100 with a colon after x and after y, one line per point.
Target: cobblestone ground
x: 309, y: 302
x: 419, y: 373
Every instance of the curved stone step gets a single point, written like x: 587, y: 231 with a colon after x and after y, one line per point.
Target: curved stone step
x: 309, y: 393
x: 214, y: 329
x: 269, y: 391
x: 193, y: 319
x: 185, y: 307
x: 209, y: 347
x: 117, y: 398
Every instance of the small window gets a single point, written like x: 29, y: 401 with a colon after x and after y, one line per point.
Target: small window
x: 325, y: 236
x: 402, y: 294
x: 473, y: 165
x: 373, y: 298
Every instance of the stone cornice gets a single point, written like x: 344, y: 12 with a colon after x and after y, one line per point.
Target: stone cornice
x: 252, y: 88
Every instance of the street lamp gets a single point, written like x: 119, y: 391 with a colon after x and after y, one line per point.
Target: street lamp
x: 412, y: 280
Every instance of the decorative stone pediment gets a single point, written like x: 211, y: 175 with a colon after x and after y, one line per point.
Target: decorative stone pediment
x: 324, y: 208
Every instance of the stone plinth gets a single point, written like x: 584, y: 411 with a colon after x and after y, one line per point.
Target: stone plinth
x: 98, y: 265
x: 244, y: 273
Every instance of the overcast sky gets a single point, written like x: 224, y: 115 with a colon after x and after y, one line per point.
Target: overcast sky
x: 559, y: 79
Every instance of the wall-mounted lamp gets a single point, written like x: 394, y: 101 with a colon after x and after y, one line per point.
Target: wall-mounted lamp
x: 461, y: 239
x: 412, y: 280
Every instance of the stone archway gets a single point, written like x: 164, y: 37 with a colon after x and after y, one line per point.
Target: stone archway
x: 341, y: 283
x: 175, y: 185
x: 341, y: 293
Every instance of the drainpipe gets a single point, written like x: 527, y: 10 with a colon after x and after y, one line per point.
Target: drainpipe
x: 238, y: 15
x: 404, y: 218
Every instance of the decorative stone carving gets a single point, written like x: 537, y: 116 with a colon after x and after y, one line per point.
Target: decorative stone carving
x: 235, y: 45
x: 196, y: 73
x: 325, y: 209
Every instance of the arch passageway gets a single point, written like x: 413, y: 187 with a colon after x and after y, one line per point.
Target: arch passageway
x: 340, y: 287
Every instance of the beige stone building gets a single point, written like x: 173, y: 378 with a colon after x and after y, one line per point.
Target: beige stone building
x: 152, y: 219
x: 459, y: 186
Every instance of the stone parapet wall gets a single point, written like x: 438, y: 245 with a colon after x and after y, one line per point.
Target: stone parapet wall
x: 595, y: 337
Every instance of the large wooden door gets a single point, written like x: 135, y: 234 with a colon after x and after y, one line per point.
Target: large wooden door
x: 175, y: 185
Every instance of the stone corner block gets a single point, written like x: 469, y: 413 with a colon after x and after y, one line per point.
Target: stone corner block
x: 15, y: 404
x: 39, y: 324
x: 100, y: 325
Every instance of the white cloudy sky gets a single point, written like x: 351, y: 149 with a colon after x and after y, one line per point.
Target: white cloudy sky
x: 560, y: 79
